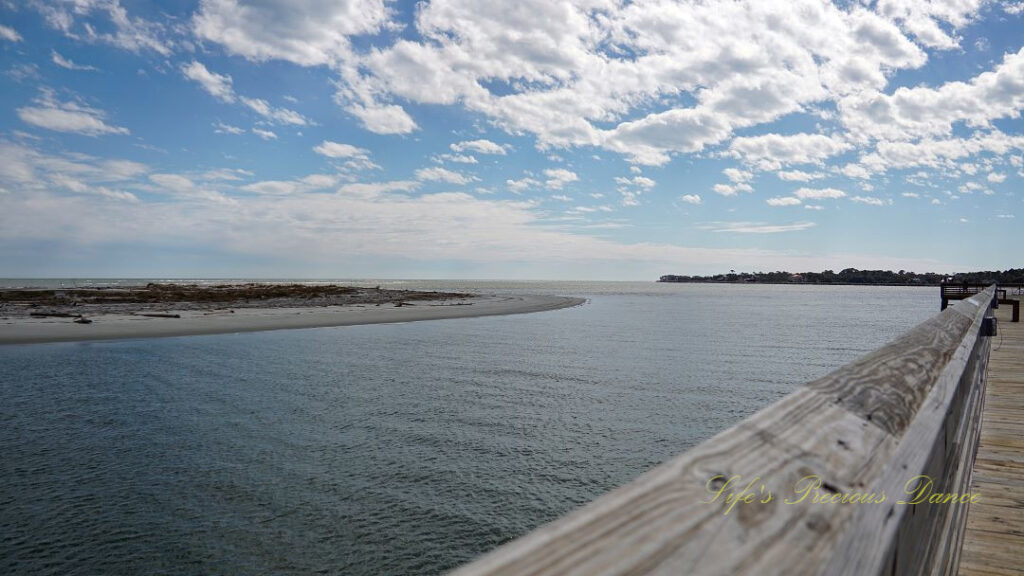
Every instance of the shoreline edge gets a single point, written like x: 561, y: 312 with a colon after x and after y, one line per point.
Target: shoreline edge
x: 196, y: 323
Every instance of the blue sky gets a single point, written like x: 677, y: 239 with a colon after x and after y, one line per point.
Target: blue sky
x: 531, y: 139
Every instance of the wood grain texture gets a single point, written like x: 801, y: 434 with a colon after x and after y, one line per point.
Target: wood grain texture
x: 909, y: 408
x: 905, y: 539
x: 994, y: 541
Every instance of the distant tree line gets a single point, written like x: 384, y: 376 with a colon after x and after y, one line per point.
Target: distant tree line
x: 855, y: 276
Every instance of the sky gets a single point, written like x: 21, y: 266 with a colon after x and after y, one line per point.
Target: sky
x: 526, y: 139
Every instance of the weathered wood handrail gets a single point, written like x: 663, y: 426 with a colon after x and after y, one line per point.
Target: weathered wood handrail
x: 909, y: 409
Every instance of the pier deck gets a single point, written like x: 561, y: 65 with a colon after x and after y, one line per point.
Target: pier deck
x: 994, y: 541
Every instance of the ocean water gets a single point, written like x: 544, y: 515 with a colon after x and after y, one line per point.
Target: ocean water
x: 393, y: 449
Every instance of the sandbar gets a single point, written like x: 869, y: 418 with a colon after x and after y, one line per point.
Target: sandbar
x: 32, y: 330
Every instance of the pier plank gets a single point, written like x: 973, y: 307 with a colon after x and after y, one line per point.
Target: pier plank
x: 994, y: 541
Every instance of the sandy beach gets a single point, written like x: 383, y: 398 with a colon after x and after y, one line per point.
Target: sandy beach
x: 109, y: 322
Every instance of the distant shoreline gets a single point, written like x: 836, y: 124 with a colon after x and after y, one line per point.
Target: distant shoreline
x: 113, y: 315
x: 741, y: 282
x: 854, y: 277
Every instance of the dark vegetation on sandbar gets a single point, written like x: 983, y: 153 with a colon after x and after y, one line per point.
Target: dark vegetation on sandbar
x: 194, y: 296
x: 855, y: 276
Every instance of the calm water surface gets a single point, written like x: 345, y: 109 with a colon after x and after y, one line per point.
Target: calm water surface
x: 392, y: 449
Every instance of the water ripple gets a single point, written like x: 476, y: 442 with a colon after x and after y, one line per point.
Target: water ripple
x: 389, y: 449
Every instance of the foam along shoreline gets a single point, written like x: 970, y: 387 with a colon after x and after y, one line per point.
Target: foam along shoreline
x: 196, y: 322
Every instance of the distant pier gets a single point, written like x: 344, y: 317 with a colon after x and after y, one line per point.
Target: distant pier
x: 959, y: 291
x: 909, y: 460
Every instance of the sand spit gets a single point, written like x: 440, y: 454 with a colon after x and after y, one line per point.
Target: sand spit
x: 157, y: 310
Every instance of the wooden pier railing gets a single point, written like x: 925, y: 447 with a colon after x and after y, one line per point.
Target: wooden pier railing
x: 816, y: 483
x: 950, y: 292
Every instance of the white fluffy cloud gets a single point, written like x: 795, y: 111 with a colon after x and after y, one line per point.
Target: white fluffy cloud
x: 184, y: 189
x: 522, y: 184
x: 437, y: 174
x: 799, y: 175
x: 9, y: 34
x: 309, y: 33
x: 67, y: 63
x: 819, y: 193
x: 265, y: 134
x: 648, y: 79
x: 313, y: 33
x: 637, y: 181
x: 274, y: 114
x: 222, y: 128
x: 31, y: 172
x: 556, y: 68
x: 758, y: 227
x: 457, y: 158
x: 922, y: 111
x: 324, y: 228
x: 340, y: 150
x: 651, y: 80
x: 371, y: 189
x: 217, y: 85
x: 732, y: 189
x: 737, y: 176
x: 383, y: 119
x: 870, y: 200
x: 773, y: 151
x: 479, y: 146
x: 76, y: 20
x: 84, y: 203
x: 925, y: 19
x: 559, y: 177
x: 48, y: 112
x: 220, y: 86
x: 942, y: 153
